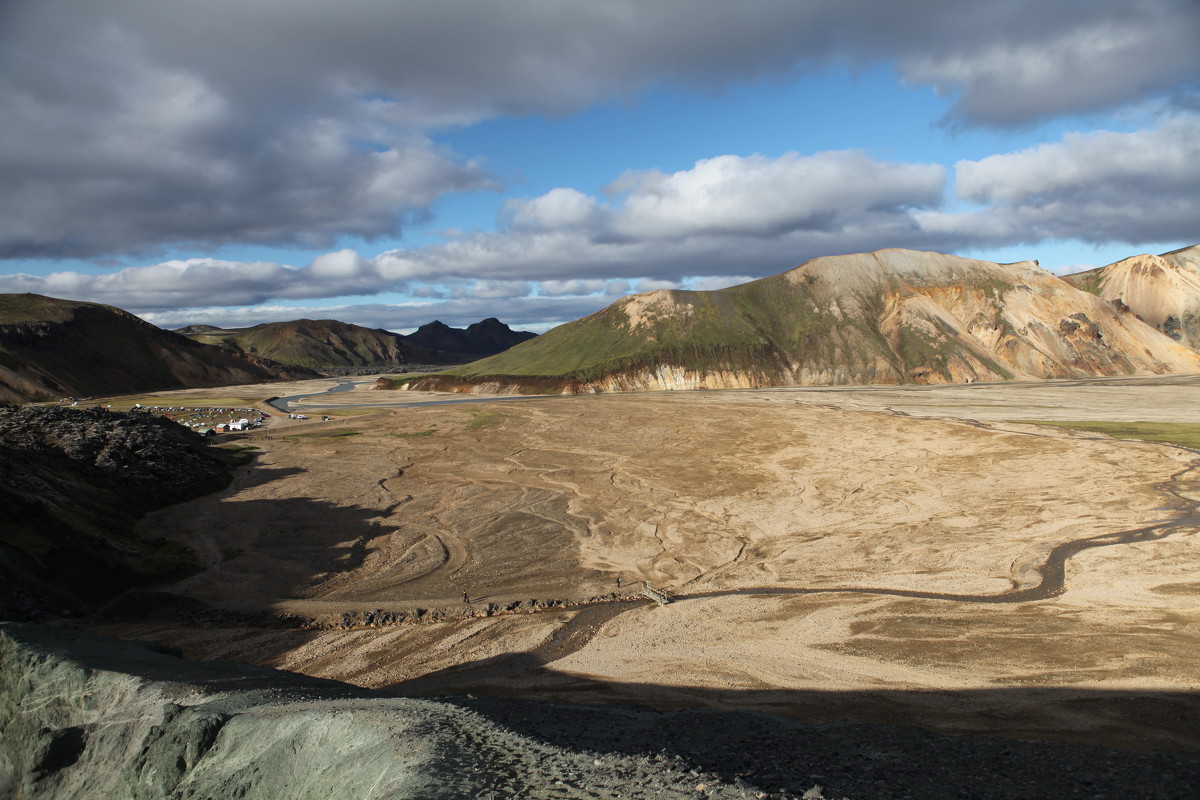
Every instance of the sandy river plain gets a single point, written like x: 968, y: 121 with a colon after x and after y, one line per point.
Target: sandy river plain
x: 899, y: 555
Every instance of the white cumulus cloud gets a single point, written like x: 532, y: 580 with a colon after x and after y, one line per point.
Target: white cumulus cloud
x: 760, y: 196
x: 1103, y: 186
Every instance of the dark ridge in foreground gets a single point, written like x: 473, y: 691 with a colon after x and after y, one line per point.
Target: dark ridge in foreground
x: 88, y: 717
x: 73, y: 483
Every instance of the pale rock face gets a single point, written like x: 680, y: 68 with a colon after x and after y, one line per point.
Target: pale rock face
x: 645, y: 309
x: 1162, y: 290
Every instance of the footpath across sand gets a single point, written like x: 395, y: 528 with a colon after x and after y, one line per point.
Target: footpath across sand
x: 833, y: 560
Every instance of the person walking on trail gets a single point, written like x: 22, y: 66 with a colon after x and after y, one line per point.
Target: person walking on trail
x: 466, y: 597
x: 618, y: 581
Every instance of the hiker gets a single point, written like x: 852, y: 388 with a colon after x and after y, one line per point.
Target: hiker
x: 618, y: 581
x: 466, y: 598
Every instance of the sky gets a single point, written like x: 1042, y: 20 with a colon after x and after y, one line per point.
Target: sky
x: 391, y: 162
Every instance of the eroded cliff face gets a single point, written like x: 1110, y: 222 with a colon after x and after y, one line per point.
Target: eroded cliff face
x: 951, y: 319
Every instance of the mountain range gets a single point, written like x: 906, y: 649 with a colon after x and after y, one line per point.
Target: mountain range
x: 889, y: 317
x: 327, y: 343
x: 52, y: 348
x: 319, y: 344
x: 478, y: 340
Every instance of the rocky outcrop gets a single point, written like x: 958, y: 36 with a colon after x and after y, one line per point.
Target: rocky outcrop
x: 52, y: 348
x: 73, y: 483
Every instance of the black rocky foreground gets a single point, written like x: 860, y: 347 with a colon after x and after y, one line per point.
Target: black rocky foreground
x: 73, y: 483
x: 86, y: 717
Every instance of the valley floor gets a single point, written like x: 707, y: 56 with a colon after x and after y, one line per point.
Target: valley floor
x: 835, y: 554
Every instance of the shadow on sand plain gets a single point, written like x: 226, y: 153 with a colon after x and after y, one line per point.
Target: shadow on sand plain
x: 1005, y: 743
x: 860, y: 745
x: 262, y: 552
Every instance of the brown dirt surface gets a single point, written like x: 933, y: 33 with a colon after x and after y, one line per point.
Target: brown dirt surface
x: 832, y: 559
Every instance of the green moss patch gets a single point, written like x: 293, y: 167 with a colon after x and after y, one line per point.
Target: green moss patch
x: 413, y: 434
x: 1182, y: 434
x: 483, y: 419
x: 324, y: 435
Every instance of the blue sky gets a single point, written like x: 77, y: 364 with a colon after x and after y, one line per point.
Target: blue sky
x: 390, y: 163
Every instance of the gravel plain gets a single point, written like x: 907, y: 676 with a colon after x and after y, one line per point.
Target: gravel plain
x: 842, y: 557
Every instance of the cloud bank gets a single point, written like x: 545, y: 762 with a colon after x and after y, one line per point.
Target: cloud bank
x: 134, y: 126
x: 719, y: 222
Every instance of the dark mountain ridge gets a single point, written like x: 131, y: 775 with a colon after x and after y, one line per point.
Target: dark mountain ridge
x: 330, y: 344
x: 319, y: 344
x: 52, y: 348
x: 477, y: 340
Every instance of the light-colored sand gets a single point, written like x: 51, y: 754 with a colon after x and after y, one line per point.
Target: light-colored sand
x: 1166, y: 398
x: 712, y: 494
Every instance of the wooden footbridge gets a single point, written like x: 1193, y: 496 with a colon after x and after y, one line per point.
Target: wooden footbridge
x: 660, y: 596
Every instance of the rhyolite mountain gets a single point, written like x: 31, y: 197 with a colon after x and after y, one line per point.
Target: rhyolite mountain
x: 889, y: 317
x: 320, y: 343
x: 478, y: 340
x: 52, y: 348
x: 1163, y: 290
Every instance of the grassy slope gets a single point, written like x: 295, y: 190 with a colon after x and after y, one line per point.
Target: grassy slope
x: 1088, y: 281
x: 758, y: 326
x: 15, y: 308
x: 859, y: 320
x: 714, y: 333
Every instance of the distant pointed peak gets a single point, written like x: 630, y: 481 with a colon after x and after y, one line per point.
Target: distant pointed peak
x: 489, y: 324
